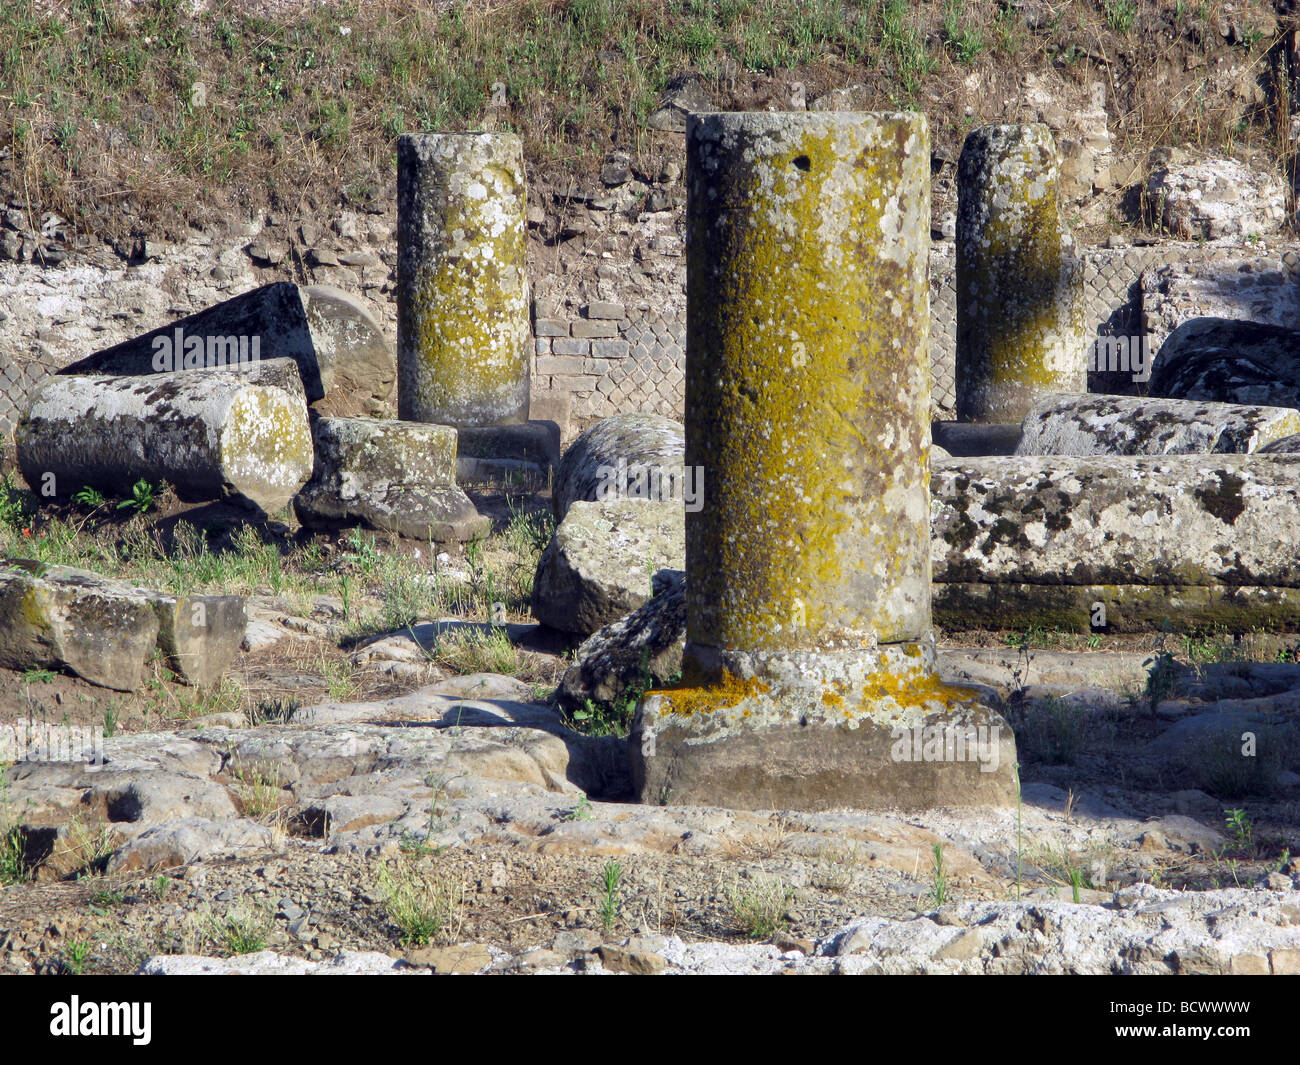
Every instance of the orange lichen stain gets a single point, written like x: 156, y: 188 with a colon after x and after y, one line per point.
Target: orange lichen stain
x: 913, y: 690
x: 706, y: 698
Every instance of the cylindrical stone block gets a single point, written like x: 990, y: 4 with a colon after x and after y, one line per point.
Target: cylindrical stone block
x: 462, y: 287
x: 1020, y: 306
x: 807, y: 381
x: 210, y: 433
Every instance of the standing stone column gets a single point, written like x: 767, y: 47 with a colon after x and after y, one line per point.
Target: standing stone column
x: 1020, y: 307
x: 462, y: 299
x: 809, y: 648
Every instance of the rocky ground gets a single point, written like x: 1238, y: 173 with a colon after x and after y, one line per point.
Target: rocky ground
x: 464, y: 827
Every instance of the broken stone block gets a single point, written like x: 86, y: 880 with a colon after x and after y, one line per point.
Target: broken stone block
x: 1080, y: 425
x: 391, y: 475
x: 508, y: 454
x: 211, y: 433
x: 61, y: 618
x: 56, y: 617
x: 200, y: 634
x: 598, y: 566
x: 1184, y: 540
x: 1215, y: 199
x: 347, y: 366
x: 1256, y: 289
x: 1227, y: 361
x: 647, y: 644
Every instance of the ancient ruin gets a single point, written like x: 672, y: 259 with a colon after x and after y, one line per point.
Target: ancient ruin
x: 808, y: 591
x: 747, y: 518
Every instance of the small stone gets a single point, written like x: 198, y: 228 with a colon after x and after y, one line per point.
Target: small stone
x: 967, y: 945
x: 266, y: 253
x: 463, y: 959
x: 615, y: 173
x: 575, y: 943
x: 637, y: 962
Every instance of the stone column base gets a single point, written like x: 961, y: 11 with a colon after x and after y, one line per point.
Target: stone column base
x: 521, y: 456
x: 866, y: 729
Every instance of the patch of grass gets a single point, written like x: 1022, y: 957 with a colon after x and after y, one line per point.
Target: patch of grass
x: 580, y: 811
x: 615, y: 717
x: 478, y: 651
x: 88, y: 845
x: 259, y: 790
x: 758, y: 906
x: 243, y: 930
x: 13, y: 843
x: 143, y: 497
x: 610, y: 888
x: 1072, y: 867
x: 1237, y: 762
x: 965, y: 41
x: 425, y: 907
x: 938, y: 876
x: 1120, y: 14
x: 104, y: 899
x: 1053, y: 731
x: 1241, y: 827
x: 75, y: 956
x: 1163, y: 671
x: 273, y: 711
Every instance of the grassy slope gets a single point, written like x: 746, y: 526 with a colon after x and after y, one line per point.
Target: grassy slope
x: 162, y: 120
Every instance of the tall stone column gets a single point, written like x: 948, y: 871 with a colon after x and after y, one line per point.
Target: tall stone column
x: 1020, y: 307
x: 462, y: 287
x: 809, y: 654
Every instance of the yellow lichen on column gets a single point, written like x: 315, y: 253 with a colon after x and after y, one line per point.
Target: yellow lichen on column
x: 807, y: 391
x: 1020, y: 308
x: 462, y: 289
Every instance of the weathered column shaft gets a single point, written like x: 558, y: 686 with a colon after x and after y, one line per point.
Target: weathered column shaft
x: 208, y: 432
x: 462, y: 298
x: 807, y: 379
x: 807, y: 402
x: 1020, y: 320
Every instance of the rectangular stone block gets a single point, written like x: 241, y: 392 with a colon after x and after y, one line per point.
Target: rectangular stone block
x: 1285, y: 962
x: 1248, y: 965
x: 589, y: 329
x: 542, y: 346
x: 1078, y: 424
x: 609, y: 349
x: 562, y: 364
x: 548, y: 405
x: 602, y: 309
x: 573, y: 383
x: 550, y: 327
x: 565, y: 346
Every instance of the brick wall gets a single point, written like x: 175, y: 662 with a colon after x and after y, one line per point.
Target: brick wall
x: 600, y: 358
